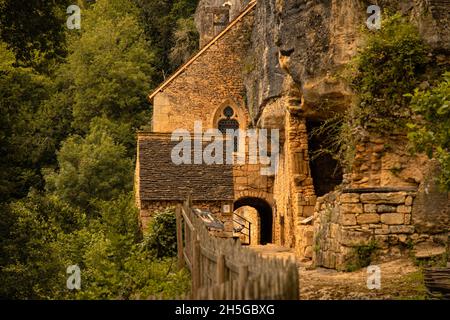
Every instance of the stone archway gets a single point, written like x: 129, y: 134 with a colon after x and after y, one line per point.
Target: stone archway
x: 265, y: 216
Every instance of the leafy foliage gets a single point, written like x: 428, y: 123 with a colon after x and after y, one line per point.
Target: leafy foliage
x: 390, y: 65
x: 431, y: 133
x: 41, y: 236
x: 162, y: 234
x: 110, y: 66
x: 91, y: 168
x: 186, y: 41
x: 31, y: 268
x: 160, y: 19
x: 25, y: 142
x: 362, y: 256
x: 34, y: 31
x: 387, y: 68
x: 71, y: 102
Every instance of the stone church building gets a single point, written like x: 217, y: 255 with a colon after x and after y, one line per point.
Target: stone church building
x: 259, y: 69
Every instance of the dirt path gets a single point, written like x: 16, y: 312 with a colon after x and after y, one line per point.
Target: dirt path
x: 400, y: 279
x: 272, y: 250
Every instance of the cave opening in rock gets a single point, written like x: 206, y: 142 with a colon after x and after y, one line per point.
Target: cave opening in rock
x: 325, y: 170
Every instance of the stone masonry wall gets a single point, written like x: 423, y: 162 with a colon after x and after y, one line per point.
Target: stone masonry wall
x: 386, y: 161
x: 294, y: 191
x: 150, y: 208
x: 212, y: 80
x: 346, y: 221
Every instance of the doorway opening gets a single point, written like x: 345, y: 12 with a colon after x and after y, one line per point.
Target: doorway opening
x: 265, y: 217
x: 326, y: 171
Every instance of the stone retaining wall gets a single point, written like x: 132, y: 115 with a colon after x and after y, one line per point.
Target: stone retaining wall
x: 381, y: 221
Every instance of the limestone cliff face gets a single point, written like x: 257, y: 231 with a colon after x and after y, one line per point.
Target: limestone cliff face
x: 300, y: 46
x: 298, y: 50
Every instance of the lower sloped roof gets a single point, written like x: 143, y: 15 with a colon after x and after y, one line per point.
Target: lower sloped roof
x: 160, y: 179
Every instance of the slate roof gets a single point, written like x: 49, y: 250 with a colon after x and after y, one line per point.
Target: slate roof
x: 160, y: 179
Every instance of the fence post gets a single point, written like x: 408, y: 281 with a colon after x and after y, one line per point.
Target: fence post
x: 243, y: 277
x: 179, y: 237
x: 221, y: 269
x: 196, y: 266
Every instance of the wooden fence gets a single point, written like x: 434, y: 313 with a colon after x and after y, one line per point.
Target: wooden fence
x: 224, y: 269
x: 437, y: 281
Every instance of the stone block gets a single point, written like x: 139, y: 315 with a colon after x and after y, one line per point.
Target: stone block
x: 309, y: 237
x: 370, y: 208
x: 382, y: 208
x: 402, y: 229
x: 309, y: 252
x: 334, y: 231
x: 384, y: 198
x: 329, y: 260
x: 381, y: 231
x: 403, y: 238
x: 349, y: 198
x: 308, y: 211
x: 368, y: 218
x: 335, y: 246
x: 351, y: 208
x: 404, y: 209
x: 241, y: 180
x: 348, y: 219
x: 353, y: 238
x: 409, y: 201
x: 382, y: 241
x: 393, y: 239
x: 392, y: 218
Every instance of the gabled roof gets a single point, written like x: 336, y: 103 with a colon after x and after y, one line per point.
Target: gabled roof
x: 181, y: 69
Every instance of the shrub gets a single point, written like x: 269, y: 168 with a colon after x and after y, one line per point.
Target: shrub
x: 431, y: 133
x: 162, y: 239
x: 388, y: 67
x: 362, y: 256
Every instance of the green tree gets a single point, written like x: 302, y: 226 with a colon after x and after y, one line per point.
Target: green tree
x: 431, y: 132
x: 159, y: 19
x: 110, y: 66
x: 23, y: 148
x: 30, y: 267
x: 161, y: 238
x: 91, y: 168
x: 186, y: 41
x: 34, y: 31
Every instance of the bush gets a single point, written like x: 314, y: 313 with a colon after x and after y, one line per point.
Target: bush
x: 431, y: 133
x: 362, y: 256
x: 387, y: 68
x: 91, y: 168
x: 162, y: 237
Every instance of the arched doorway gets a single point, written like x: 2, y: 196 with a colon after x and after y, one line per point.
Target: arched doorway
x: 265, y: 216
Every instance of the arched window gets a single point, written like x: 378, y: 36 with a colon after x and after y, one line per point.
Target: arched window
x: 228, y: 121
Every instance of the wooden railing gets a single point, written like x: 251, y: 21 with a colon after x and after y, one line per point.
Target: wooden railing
x: 224, y: 269
x: 245, y: 229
